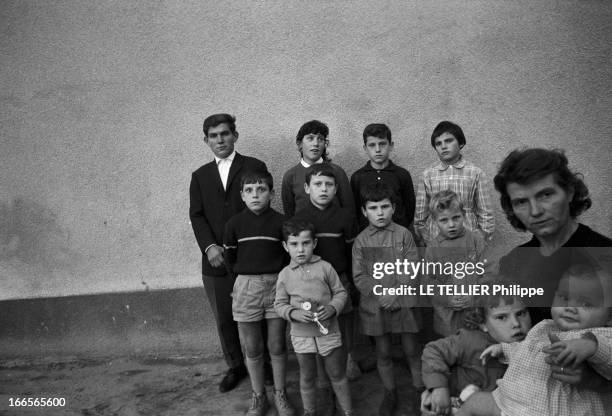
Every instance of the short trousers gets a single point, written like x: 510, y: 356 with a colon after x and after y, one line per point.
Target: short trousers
x: 253, y: 297
x: 322, y: 345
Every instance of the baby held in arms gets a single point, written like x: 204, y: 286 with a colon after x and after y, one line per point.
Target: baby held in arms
x: 452, y: 368
x: 579, y: 331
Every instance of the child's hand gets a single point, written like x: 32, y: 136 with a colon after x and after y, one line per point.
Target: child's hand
x: 387, y: 302
x: 440, y: 401
x: 326, y: 312
x: 300, y: 315
x: 572, y: 352
x: 459, y: 302
x: 494, y: 350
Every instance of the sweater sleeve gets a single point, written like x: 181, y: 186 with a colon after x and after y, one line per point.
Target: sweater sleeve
x: 439, y: 357
x: 287, y: 195
x: 345, y: 195
x: 421, y: 212
x: 230, y: 243
x: 338, y: 292
x: 361, y: 275
x: 408, y: 197
x: 281, y: 302
x: 482, y: 205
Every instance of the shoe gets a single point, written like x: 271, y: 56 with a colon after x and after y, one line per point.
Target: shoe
x: 232, y: 378
x: 352, y: 369
x: 268, y: 375
x: 389, y: 403
x: 326, y: 405
x: 283, y: 407
x: 259, y: 405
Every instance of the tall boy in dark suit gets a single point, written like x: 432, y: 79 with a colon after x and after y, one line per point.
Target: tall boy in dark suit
x: 214, y: 196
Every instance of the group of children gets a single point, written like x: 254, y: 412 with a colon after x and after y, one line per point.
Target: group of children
x: 329, y: 270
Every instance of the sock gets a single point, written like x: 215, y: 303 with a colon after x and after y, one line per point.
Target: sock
x: 279, y: 365
x: 309, y: 397
x: 414, y: 362
x: 322, y: 377
x: 343, y: 394
x: 385, y: 371
x: 255, y: 365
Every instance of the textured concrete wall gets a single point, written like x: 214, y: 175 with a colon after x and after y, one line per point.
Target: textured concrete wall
x: 102, y: 104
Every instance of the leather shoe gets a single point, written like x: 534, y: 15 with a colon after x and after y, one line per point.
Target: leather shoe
x: 232, y: 378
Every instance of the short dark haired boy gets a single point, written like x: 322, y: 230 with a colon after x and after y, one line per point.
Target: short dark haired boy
x: 253, y: 244
x: 453, y: 172
x: 378, y: 145
x: 336, y: 228
x: 310, y: 295
x: 382, y: 315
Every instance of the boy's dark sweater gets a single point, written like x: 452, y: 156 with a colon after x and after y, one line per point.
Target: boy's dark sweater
x: 335, y: 229
x: 398, y: 179
x: 253, y: 242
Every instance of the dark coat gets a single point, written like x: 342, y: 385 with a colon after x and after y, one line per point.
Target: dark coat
x: 210, y: 206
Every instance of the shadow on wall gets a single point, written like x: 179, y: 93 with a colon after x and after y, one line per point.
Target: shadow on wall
x: 30, y: 233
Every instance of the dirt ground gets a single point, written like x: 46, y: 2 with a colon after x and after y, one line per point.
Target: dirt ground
x: 157, y: 385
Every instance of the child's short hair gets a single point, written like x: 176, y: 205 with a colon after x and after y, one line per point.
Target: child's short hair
x: 445, y: 199
x: 447, y: 127
x: 379, y: 130
x: 313, y: 127
x: 216, y: 119
x: 257, y: 176
x: 591, y: 269
x: 294, y: 227
x: 477, y: 314
x: 320, y: 169
x: 375, y: 192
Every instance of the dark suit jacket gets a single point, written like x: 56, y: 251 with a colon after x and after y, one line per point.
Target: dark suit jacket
x: 210, y: 206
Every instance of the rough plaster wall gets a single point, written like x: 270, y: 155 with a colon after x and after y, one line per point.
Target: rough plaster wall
x: 102, y: 104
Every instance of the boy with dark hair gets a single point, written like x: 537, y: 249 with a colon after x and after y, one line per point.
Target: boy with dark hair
x: 254, y: 252
x: 309, y: 295
x: 460, y: 176
x: 452, y: 366
x: 336, y: 228
x: 382, y: 315
x: 378, y: 145
x: 312, y: 141
x: 214, y: 197
x: 455, y: 244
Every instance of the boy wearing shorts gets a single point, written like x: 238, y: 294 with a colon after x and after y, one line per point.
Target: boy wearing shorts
x: 336, y: 228
x: 309, y: 295
x: 253, y: 244
x: 383, y: 314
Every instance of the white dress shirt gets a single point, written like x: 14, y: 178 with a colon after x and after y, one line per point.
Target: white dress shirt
x: 224, y: 166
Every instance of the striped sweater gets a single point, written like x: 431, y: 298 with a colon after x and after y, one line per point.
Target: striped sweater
x: 253, y: 243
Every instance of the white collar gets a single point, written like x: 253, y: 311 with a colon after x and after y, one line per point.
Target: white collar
x: 307, y: 165
x: 229, y: 158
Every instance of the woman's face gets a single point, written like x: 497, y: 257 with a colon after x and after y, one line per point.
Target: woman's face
x: 542, y: 205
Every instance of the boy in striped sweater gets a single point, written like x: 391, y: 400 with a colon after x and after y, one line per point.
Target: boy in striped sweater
x: 253, y: 244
